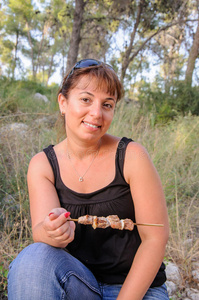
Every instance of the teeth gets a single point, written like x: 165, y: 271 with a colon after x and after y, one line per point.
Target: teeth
x: 94, y: 126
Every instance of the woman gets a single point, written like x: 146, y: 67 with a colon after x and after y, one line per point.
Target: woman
x: 92, y: 172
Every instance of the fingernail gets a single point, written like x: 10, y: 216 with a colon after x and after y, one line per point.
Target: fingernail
x: 51, y: 214
x: 67, y: 214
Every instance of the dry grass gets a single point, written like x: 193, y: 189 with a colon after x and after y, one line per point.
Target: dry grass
x: 172, y: 147
x: 174, y: 150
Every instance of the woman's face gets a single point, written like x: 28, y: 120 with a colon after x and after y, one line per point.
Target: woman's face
x: 88, y: 111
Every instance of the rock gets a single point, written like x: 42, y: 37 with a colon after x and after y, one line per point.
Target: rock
x: 173, y: 274
x: 193, y: 294
x: 171, y: 287
x: 17, y: 127
x: 188, y: 242
x: 14, y: 128
x: 195, y: 274
x: 195, y: 265
x: 48, y: 121
x: 39, y: 96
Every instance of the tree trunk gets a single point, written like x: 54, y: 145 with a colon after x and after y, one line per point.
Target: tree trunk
x: 50, y: 67
x: 193, y: 54
x: 127, y: 54
x: 75, y: 38
x: 32, y: 52
x: 15, y: 54
x: 129, y: 57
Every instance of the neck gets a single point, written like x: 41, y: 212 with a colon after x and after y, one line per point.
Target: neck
x: 81, y: 150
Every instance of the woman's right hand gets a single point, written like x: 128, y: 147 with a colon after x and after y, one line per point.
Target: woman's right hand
x: 49, y: 220
x: 57, y: 228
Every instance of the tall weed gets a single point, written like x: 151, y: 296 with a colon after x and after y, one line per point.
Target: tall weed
x: 19, y: 141
x: 173, y: 148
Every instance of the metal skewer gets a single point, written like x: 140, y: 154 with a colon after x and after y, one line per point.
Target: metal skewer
x: 136, y: 224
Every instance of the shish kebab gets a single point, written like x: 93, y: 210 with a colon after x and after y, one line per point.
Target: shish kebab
x: 112, y: 221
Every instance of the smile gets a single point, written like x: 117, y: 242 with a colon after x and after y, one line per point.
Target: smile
x: 91, y: 125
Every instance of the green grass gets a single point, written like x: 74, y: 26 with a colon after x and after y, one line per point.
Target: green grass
x: 18, y: 97
x: 173, y: 148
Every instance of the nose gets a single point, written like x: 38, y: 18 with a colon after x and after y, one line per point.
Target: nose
x: 96, y: 110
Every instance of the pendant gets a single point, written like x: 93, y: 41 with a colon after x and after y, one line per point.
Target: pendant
x: 81, y: 179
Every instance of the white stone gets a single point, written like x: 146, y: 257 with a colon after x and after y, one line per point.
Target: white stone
x: 171, y: 287
x: 14, y: 128
x: 41, y: 97
x: 195, y: 274
x: 195, y: 265
x: 18, y: 127
x: 173, y: 274
x: 188, y: 242
x: 193, y: 294
x: 48, y: 121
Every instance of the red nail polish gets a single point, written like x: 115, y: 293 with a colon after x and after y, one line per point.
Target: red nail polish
x: 67, y: 214
x: 51, y: 214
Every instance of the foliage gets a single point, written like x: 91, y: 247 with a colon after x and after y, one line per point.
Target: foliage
x: 36, y: 36
x: 18, y: 97
x: 166, y: 105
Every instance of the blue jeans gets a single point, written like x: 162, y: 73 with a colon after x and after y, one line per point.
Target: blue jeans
x: 42, y: 272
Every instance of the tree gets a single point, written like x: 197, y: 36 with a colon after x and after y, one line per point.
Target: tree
x: 193, y: 55
x: 75, y: 36
x: 124, y: 33
x: 9, y: 41
x: 151, y: 18
x: 94, y: 23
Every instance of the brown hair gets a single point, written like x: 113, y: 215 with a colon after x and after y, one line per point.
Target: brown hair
x: 105, y: 75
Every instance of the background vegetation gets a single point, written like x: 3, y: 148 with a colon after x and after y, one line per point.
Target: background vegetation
x: 154, y: 47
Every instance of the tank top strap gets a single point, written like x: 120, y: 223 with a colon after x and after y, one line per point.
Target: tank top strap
x: 50, y: 153
x: 119, y: 160
x: 120, y: 155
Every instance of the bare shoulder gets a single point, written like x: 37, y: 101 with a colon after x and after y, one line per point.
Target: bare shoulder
x: 40, y: 166
x: 135, y: 152
x: 38, y: 160
x: 137, y: 161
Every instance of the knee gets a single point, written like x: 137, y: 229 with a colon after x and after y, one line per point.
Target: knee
x: 29, y: 262
x: 31, y: 271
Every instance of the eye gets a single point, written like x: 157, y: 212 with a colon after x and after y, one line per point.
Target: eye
x: 108, y: 105
x: 85, y: 100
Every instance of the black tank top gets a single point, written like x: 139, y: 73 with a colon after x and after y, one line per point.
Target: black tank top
x: 108, y: 253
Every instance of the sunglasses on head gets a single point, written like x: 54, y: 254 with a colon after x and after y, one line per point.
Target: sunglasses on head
x: 85, y: 63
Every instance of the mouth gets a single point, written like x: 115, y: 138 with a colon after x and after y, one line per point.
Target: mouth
x: 91, y: 125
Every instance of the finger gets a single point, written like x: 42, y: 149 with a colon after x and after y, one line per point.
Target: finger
x: 57, y: 211
x: 52, y: 216
x: 58, y: 221
x: 72, y: 225
x: 64, y: 234
x: 67, y: 229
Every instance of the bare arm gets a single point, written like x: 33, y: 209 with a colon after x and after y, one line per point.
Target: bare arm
x: 150, y: 207
x: 54, y: 229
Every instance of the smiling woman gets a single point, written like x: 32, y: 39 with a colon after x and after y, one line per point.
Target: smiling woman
x: 92, y: 173
x: 88, y: 111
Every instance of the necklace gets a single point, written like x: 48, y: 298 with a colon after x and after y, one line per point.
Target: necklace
x: 81, y: 177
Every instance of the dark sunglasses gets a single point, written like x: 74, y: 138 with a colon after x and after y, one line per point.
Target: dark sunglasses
x: 85, y: 63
